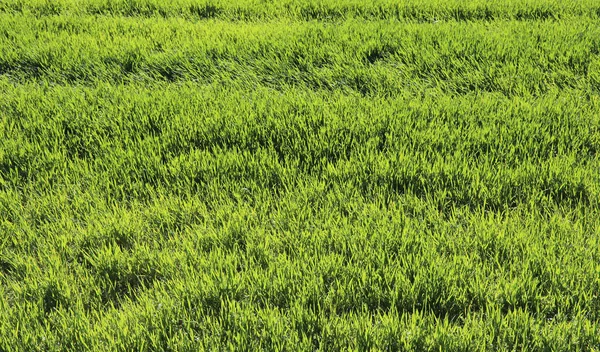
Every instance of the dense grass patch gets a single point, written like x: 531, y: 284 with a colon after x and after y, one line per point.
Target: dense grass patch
x: 299, y: 175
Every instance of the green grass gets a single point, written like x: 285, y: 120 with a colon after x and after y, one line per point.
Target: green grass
x: 299, y: 175
x: 314, y: 9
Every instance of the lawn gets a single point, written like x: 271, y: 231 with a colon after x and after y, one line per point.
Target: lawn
x: 299, y: 175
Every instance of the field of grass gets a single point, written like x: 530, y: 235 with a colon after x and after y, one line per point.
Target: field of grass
x: 299, y: 175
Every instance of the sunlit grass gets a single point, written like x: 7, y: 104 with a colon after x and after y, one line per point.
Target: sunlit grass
x: 299, y: 175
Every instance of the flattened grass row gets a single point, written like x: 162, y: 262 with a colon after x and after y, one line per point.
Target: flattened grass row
x: 317, y: 176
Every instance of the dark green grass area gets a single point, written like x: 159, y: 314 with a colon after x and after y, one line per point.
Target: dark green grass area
x: 299, y: 175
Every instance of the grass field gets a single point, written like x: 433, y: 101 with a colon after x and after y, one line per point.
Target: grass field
x: 299, y: 175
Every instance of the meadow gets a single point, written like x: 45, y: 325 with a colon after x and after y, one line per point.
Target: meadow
x: 299, y: 175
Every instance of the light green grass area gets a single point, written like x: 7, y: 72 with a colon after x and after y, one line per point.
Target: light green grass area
x: 299, y: 175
